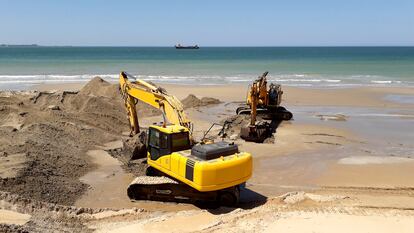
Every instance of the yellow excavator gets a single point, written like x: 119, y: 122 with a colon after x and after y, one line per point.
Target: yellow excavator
x: 265, y: 102
x: 180, y: 170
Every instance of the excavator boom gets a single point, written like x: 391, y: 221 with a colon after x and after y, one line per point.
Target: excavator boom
x: 157, y: 97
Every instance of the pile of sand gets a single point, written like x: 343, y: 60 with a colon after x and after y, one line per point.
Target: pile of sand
x: 99, y: 87
x: 55, y: 130
x: 99, y: 103
x: 191, y: 101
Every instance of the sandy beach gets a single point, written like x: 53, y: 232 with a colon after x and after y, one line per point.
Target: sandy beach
x: 344, y: 163
x: 207, y: 116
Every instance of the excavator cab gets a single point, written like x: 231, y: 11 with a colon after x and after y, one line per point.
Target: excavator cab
x: 163, y: 143
x: 275, y: 95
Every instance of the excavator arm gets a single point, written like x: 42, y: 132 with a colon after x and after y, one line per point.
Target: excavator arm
x: 259, y: 91
x: 157, y: 97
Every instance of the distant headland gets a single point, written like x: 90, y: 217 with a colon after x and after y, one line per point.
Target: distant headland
x: 19, y: 45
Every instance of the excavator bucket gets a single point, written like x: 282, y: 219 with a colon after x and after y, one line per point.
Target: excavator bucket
x: 135, y: 147
x: 256, y: 133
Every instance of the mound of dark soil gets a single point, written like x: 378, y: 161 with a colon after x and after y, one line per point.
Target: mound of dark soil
x: 233, y: 124
x: 55, y: 139
x: 55, y: 159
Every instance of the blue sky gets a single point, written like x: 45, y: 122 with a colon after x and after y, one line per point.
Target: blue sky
x: 207, y: 23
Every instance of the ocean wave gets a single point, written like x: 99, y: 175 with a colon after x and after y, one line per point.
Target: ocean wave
x: 304, y: 80
x: 365, y: 76
x: 308, y: 80
x: 39, y: 81
x: 385, y: 81
x: 52, y: 77
x: 19, y: 76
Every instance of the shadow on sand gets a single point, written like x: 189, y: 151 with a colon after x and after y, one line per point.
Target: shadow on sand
x: 249, y: 199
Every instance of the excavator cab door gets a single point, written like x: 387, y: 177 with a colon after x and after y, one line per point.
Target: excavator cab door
x: 158, y: 147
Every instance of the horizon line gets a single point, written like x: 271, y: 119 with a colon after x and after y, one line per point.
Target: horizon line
x: 206, y: 46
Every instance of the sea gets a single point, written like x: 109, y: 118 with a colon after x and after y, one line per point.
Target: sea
x: 321, y: 67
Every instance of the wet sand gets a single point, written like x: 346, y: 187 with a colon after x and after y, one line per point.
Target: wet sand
x: 108, y: 184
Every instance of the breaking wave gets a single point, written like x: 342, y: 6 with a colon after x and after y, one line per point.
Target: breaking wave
x: 305, y: 80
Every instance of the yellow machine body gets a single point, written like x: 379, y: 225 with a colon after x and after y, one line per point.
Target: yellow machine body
x: 170, y: 144
x: 202, y: 175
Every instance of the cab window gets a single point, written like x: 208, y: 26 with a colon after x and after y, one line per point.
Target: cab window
x: 154, y: 138
x: 180, y: 141
x: 158, y: 145
x: 164, y: 141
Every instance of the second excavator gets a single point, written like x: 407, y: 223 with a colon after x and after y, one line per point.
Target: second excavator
x: 180, y: 170
x: 264, y: 102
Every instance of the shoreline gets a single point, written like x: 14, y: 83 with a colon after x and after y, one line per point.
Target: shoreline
x: 23, y: 85
x: 301, y: 96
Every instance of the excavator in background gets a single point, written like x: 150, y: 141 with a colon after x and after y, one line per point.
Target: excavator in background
x: 264, y: 102
x: 180, y: 170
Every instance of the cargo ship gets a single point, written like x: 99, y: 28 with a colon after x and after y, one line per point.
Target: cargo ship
x: 179, y: 46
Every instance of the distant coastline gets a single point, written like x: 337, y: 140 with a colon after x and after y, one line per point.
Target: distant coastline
x: 207, y: 46
x: 19, y: 45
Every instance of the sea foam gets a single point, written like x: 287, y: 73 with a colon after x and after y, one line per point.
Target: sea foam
x: 301, y: 80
